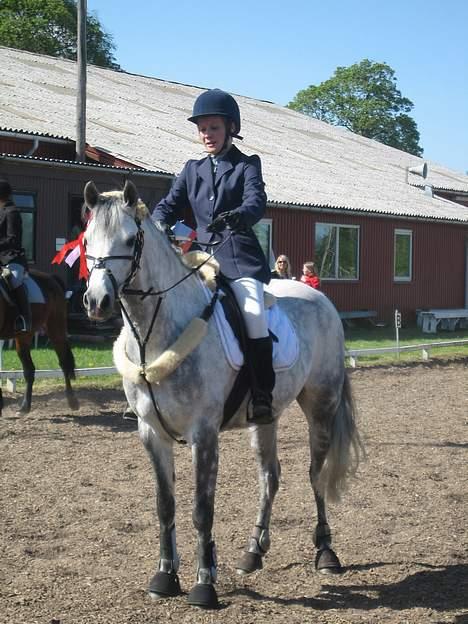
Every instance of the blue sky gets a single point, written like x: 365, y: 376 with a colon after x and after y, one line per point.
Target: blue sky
x: 270, y: 49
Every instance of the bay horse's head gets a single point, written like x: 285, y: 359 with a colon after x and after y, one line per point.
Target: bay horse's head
x: 113, y: 243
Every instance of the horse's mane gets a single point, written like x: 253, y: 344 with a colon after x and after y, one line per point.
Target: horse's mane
x: 108, y: 210
x: 116, y: 197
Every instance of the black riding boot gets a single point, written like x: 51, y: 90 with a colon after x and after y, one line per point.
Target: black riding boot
x: 23, y: 320
x: 263, y: 382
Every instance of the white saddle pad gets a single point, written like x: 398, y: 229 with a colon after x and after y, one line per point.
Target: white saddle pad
x: 34, y: 292
x: 285, y: 351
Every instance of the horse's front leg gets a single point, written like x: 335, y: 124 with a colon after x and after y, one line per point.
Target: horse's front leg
x: 205, y: 463
x: 165, y: 583
x: 264, y: 441
x: 23, y: 349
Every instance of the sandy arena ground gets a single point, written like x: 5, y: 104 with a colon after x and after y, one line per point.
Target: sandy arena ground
x: 79, y: 536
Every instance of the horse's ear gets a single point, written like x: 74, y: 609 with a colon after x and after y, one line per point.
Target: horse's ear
x: 91, y: 194
x: 130, y: 193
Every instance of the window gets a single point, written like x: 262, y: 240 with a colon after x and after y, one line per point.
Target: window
x: 337, y: 251
x: 403, y: 256
x: 262, y: 230
x: 26, y: 203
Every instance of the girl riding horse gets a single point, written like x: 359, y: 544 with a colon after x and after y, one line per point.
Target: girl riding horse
x: 225, y: 191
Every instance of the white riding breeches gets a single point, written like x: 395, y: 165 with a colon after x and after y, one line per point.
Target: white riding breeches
x: 249, y: 295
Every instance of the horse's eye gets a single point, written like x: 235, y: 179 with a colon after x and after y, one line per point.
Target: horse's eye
x: 130, y: 241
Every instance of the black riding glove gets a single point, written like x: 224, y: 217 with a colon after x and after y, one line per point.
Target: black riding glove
x: 231, y: 219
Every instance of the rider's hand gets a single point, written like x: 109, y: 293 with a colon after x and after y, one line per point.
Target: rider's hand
x: 230, y: 219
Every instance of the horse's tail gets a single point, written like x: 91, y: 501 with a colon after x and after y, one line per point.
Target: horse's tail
x: 346, y: 448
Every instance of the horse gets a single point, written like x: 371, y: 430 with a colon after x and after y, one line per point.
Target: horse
x: 51, y: 315
x: 179, y: 392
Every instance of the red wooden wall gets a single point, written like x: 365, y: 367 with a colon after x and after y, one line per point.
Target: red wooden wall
x: 439, y: 252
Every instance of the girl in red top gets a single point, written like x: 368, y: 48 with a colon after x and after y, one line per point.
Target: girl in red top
x: 310, y: 275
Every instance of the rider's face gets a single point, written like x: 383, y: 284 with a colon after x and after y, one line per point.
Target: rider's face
x: 212, y: 132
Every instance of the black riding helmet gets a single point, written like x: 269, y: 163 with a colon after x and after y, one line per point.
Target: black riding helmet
x: 220, y: 103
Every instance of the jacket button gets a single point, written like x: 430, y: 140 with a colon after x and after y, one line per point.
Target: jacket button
x: 212, y: 198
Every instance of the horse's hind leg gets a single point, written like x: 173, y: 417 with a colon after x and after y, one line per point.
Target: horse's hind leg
x: 66, y: 360
x: 23, y: 349
x: 264, y: 442
x: 165, y: 583
x: 319, y: 409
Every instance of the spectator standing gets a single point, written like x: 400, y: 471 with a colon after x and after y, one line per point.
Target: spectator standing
x: 282, y: 268
x: 310, y: 275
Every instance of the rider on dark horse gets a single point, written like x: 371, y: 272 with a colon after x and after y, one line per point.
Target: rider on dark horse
x: 13, y: 257
x: 226, y: 193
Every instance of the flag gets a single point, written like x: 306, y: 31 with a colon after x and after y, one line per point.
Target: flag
x: 184, y: 235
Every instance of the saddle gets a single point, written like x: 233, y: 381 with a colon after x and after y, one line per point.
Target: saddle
x: 5, y: 286
x: 31, y: 282
x: 229, y: 320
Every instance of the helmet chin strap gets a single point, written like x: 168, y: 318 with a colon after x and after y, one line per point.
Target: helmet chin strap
x: 226, y: 145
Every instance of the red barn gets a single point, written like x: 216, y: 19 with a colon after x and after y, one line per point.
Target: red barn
x: 382, y: 236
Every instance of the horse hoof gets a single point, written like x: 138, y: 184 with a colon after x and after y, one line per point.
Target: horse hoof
x: 164, y: 585
x: 203, y: 595
x: 326, y: 562
x: 23, y: 409
x: 248, y: 563
x: 73, y: 403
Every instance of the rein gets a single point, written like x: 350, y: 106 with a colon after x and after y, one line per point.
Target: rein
x: 100, y: 263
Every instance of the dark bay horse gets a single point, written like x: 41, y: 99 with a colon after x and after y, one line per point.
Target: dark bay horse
x: 51, y: 315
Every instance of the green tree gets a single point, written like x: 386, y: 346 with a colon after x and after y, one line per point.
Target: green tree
x: 50, y: 27
x: 363, y: 98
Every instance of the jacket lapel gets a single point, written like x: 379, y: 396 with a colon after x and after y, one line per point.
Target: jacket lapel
x: 205, y: 172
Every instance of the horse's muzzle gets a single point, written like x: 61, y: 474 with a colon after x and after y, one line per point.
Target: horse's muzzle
x: 98, y: 309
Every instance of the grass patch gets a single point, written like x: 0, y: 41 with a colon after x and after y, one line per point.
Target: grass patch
x: 100, y: 354
x: 379, y: 337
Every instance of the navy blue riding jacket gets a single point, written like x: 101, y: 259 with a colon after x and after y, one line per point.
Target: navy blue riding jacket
x: 237, y: 185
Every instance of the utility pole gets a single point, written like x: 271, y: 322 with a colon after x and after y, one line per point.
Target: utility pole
x: 81, y: 90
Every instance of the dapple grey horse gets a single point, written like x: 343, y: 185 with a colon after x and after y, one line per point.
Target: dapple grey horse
x: 131, y: 260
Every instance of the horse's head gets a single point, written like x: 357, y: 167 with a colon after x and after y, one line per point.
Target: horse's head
x: 113, y: 242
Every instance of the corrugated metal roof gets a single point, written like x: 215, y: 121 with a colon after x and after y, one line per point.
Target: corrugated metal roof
x: 305, y: 162
x: 74, y: 163
x: 31, y: 133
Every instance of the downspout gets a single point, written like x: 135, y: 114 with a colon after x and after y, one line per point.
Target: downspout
x: 34, y: 147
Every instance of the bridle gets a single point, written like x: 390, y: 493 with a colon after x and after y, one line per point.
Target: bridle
x: 135, y: 258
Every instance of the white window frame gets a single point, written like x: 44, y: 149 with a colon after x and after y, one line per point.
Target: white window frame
x: 403, y: 232
x: 269, y: 223
x: 337, y: 255
x: 29, y: 208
